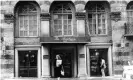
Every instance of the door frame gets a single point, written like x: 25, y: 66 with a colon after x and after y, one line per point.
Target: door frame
x: 17, y: 62
x: 74, y: 61
x: 109, y: 55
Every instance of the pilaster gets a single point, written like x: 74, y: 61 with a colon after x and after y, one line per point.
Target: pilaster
x: 45, y: 20
x: 82, y: 70
x: 45, y: 62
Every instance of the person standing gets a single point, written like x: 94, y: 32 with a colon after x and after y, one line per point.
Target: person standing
x: 58, y: 66
x: 103, y: 67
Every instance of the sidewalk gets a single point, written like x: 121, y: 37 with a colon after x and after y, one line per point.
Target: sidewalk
x: 84, y: 78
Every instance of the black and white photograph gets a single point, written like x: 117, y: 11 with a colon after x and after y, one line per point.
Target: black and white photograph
x: 66, y: 40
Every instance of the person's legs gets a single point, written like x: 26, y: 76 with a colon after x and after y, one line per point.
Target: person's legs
x: 103, y: 73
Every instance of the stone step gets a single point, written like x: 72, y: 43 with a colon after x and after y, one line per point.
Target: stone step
x: 89, y: 78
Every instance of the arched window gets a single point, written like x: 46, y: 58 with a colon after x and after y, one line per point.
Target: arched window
x: 27, y: 20
x: 130, y: 14
x: 62, y: 20
x: 97, y: 19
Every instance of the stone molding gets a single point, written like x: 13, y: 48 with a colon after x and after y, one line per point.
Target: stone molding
x: 8, y: 18
x: 80, y: 15
x: 45, y: 16
x: 115, y: 16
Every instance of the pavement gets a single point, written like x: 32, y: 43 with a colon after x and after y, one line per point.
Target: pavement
x: 84, y: 78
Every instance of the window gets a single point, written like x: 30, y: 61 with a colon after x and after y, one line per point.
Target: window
x: 62, y: 20
x: 130, y: 15
x: 27, y: 15
x: 97, y: 19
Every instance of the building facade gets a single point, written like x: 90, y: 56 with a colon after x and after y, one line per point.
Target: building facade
x: 80, y: 31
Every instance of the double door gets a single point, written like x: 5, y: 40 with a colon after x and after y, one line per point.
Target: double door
x: 66, y: 56
x: 95, y: 61
x: 27, y: 63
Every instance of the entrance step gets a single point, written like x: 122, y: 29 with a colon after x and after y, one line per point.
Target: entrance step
x: 89, y: 78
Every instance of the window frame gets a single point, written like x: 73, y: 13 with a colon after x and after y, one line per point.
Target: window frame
x: 62, y: 20
x: 96, y: 14
x: 33, y: 14
x: 129, y: 15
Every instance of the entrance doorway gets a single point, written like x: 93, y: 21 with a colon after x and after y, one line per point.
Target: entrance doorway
x: 95, y: 55
x: 67, y: 58
x: 27, y: 63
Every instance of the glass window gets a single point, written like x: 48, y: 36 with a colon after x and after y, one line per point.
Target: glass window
x: 130, y: 16
x: 62, y: 17
x: 28, y: 21
x: 97, y: 19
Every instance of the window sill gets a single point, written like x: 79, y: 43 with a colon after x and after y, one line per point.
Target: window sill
x: 99, y: 35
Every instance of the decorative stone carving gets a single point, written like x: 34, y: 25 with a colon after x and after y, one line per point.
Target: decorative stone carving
x: 45, y: 16
x: 9, y: 18
x: 79, y: 5
x: 80, y: 15
x: 116, y: 16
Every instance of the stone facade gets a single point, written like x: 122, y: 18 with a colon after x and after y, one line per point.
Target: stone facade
x: 122, y: 47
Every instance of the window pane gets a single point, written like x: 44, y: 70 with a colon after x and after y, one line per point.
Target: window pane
x: 94, y: 21
x: 99, y: 16
x: 104, y: 31
x: 103, y: 20
x: 69, y: 27
x: 21, y: 33
x: 103, y: 16
x: 69, y: 22
x: 60, y: 27
x: 93, y: 16
x: 60, y: 33
x: 99, y: 21
x: 65, y: 17
x: 59, y: 16
x: 55, y: 17
x: 69, y: 32
x: 55, y: 27
x: 65, y: 21
x: 55, y: 22
x: 65, y: 27
x: 99, y: 31
x: 90, y: 21
x: 21, y: 21
x: 89, y: 15
x: 103, y: 25
x: 25, y: 33
x: 60, y: 22
x: 65, y: 32
x: 69, y: 16
x: 90, y: 28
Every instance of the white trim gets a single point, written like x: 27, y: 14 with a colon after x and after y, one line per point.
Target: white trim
x: 88, y: 62
x: 38, y: 60
x: 110, y: 63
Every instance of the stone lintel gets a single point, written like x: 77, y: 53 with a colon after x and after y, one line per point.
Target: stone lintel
x: 45, y: 16
x: 80, y: 15
x: 8, y: 18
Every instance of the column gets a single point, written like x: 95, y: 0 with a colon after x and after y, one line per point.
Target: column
x: 45, y: 61
x: 82, y: 69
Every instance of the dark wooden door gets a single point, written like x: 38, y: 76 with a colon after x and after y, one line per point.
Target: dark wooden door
x: 27, y: 63
x: 95, y: 55
x: 66, y: 56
